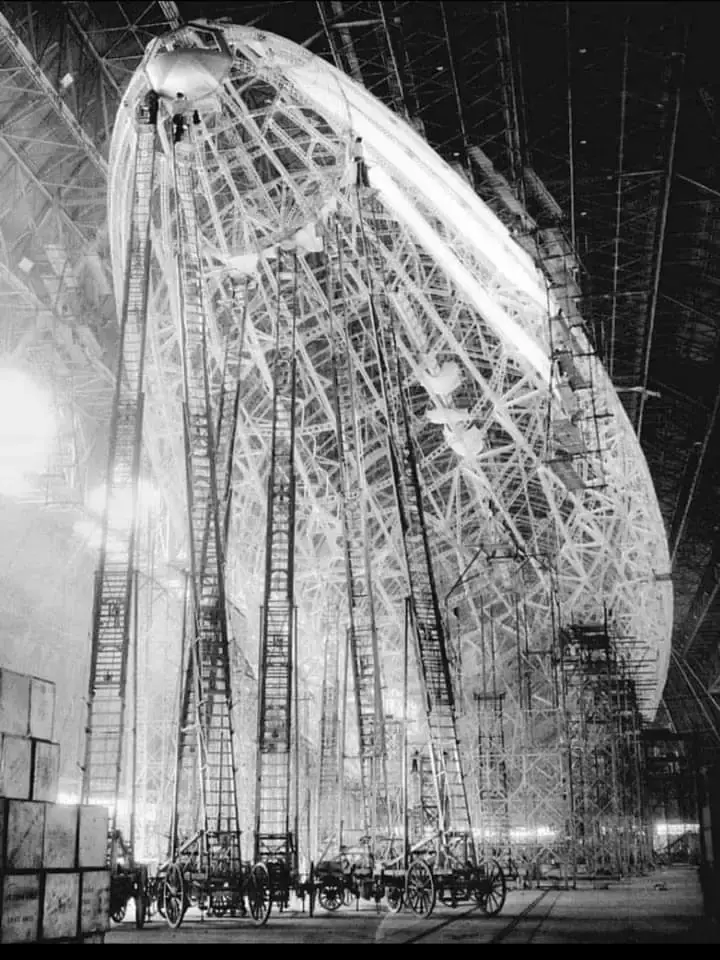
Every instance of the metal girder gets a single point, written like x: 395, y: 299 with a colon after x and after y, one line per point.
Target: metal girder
x: 40, y: 186
x: 661, y: 236
x: 16, y: 284
x: 702, y: 603
x: 50, y: 93
x: 678, y: 530
x: 171, y: 13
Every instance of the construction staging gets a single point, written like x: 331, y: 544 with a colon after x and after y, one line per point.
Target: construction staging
x: 398, y: 619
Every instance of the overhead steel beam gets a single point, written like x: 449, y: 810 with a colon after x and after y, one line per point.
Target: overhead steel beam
x: 513, y: 96
x: 47, y: 194
x: 87, y: 40
x: 618, y: 206
x: 679, y: 532
x: 171, y: 13
x: 661, y: 235
x: 703, y: 601
x: 22, y: 290
x: 458, y: 100
x: 81, y: 137
x: 353, y: 64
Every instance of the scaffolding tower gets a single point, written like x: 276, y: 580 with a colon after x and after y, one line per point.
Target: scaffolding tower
x: 205, y: 852
x: 363, y: 640
x: 115, y: 575
x: 275, y: 844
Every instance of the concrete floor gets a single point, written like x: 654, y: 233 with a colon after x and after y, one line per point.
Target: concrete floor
x: 664, y: 907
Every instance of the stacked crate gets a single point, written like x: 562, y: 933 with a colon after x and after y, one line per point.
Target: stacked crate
x: 54, y: 885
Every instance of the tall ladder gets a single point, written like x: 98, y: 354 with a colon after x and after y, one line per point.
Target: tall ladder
x: 363, y: 633
x: 274, y: 840
x: 113, y: 588
x: 227, y: 404
x: 425, y: 614
x: 206, y: 735
x: 329, y: 773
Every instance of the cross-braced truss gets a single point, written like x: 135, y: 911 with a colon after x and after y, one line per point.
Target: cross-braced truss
x: 475, y: 339
x: 475, y: 336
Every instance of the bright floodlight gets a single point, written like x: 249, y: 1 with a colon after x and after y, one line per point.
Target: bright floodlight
x: 27, y: 430
x: 276, y: 141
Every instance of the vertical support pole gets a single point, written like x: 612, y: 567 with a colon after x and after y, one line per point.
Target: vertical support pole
x: 571, y: 131
x: 176, y: 791
x: 406, y: 824
x: 133, y: 760
x: 343, y: 734
x: 296, y: 726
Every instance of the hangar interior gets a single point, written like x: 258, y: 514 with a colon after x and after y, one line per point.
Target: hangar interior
x: 359, y: 447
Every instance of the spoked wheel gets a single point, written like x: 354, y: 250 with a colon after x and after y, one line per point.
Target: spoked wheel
x: 420, y: 890
x: 259, y: 894
x: 491, y: 888
x: 394, y: 897
x: 174, y: 903
x: 332, y: 895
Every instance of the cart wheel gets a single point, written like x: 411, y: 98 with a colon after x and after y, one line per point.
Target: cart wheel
x: 332, y: 895
x: 491, y: 889
x: 259, y: 894
x: 394, y: 897
x: 420, y: 889
x: 174, y: 896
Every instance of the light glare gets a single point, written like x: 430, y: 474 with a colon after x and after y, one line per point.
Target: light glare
x: 27, y: 430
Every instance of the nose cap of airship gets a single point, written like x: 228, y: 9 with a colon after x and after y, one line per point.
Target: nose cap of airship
x: 188, y: 74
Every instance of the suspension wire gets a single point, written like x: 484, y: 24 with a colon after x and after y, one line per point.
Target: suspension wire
x: 689, y: 674
x: 662, y: 231
x: 571, y: 130
x: 196, y: 563
x: 610, y: 358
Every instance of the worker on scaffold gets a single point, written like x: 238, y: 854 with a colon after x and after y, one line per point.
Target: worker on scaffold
x: 360, y: 165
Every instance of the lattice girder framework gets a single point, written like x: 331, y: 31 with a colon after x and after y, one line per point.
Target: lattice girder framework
x: 473, y: 336
x: 63, y: 73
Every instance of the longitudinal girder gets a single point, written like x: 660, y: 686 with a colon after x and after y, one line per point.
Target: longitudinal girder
x: 111, y: 624
x: 273, y: 837
x: 206, y: 736
x: 364, y: 648
x: 453, y: 814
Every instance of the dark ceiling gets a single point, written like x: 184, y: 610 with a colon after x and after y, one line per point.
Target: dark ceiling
x: 613, y: 107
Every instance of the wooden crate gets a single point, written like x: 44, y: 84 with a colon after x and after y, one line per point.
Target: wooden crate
x: 95, y: 902
x: 14, y: 703
x: 60, y: 843
x: 61, y: 903
x: 22, y: 828
x: 46, y: 770
x: 92, y: 837
x: 42, y: 708
x: 19, y: 908
x: 15, y: 766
